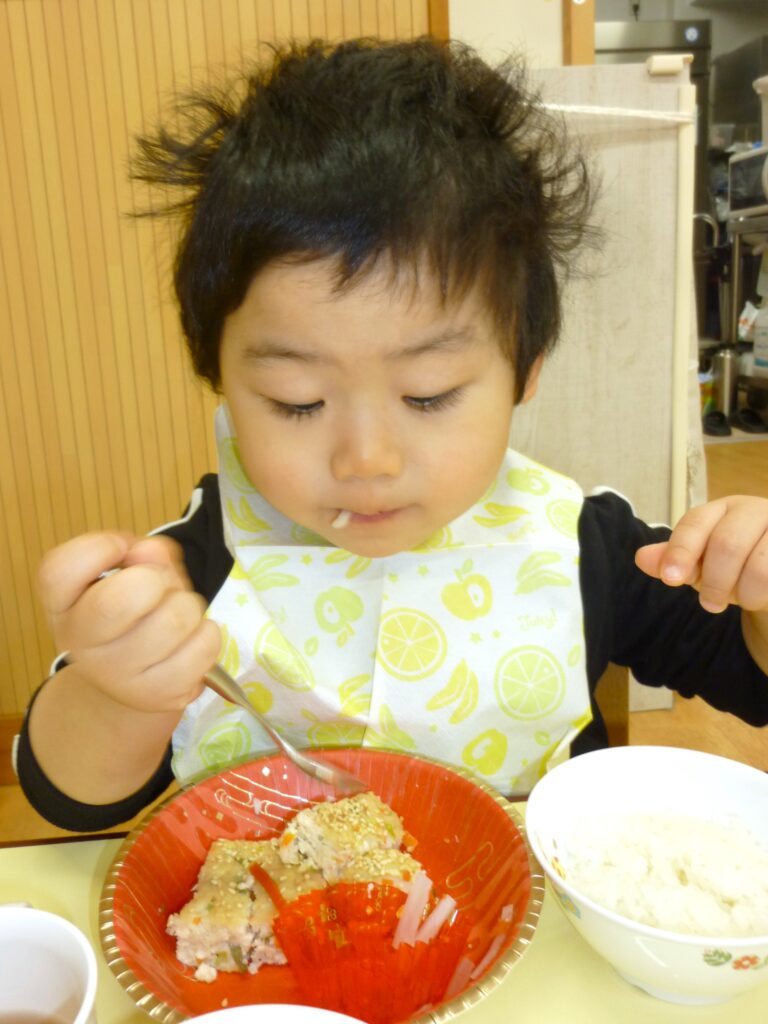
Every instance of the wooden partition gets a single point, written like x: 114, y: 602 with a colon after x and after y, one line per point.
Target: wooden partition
x: 101, y: 423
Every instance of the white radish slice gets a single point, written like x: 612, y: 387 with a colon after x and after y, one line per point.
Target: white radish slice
x: 413, y: 909
x: 436, y: 919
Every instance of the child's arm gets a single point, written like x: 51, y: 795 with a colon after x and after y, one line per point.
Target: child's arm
x: 721, y: 549
x: 137, y: 646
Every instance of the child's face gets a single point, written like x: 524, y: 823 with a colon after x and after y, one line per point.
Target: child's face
x: 376, y: 399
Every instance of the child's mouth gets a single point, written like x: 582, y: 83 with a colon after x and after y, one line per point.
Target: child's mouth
x: 346, y: 516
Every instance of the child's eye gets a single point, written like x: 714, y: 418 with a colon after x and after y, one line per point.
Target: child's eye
x: 295, y: 412
x: 434, y: 403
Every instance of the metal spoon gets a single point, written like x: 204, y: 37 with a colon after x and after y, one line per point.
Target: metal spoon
x: 221, y: 682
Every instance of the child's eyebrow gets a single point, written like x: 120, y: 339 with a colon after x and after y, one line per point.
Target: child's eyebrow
x: 452, y: 339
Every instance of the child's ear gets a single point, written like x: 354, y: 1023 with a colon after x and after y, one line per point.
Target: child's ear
x: 532, y: 383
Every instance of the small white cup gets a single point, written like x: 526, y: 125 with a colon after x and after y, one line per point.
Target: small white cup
x: 47, y: 969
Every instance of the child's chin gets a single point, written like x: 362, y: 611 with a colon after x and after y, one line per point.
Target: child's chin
x: 370, y: 547
x: 372, y: 544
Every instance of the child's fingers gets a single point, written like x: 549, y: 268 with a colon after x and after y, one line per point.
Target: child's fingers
x: 67, y: 571
x: 687, y: 543
x: 728, y: 552
x: 112, y: 607
x: 162, y: 551
x: 720, y: 549
x: 179, y: 676
x: 752, y: 591
x: 649, y: 558
x: 739, y: 567
x: 121, y: 665
x: 676, y: 560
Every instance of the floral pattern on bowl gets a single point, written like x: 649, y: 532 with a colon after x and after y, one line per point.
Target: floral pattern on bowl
x: 720, y: 957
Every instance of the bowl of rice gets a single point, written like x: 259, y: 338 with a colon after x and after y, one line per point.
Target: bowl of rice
x: 658, y: 856
x: 260, y: 886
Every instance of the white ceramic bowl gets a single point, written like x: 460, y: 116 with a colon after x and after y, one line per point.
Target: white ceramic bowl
x: 652, y: 780
x: 274, y: 1013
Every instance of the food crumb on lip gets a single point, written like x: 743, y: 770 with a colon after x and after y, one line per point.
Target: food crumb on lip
x: 342, y: 519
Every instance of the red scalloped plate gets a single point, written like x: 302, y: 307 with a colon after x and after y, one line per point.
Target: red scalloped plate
x: 471, y: 841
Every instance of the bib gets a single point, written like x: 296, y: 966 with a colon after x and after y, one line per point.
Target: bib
x: 469, y: 649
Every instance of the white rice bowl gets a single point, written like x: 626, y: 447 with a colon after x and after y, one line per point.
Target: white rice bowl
x: 659, y: 857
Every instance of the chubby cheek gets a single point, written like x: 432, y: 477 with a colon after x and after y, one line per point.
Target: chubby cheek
x: 461, y: 472
x: 281, y: 474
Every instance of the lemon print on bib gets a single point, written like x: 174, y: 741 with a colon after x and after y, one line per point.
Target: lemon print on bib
x: 282, y: 661
x: 259, y: 696
x: 411, y: 644
x: 336, y: 733
x: 529, y: 683
x: 224, y: 743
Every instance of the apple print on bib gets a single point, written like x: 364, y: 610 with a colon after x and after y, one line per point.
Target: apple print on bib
x: 471, y: 596
x: 468, y: 649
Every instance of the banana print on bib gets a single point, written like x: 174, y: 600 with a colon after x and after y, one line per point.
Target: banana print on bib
x: 469, y: 648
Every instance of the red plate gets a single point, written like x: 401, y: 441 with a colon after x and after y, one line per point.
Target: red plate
x: 470, y: 840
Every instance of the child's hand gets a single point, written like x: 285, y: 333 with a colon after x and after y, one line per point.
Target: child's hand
x: 721, y: 549
x: 138, y: 636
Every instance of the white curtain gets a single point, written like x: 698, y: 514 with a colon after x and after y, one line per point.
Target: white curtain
x: 604, y: 411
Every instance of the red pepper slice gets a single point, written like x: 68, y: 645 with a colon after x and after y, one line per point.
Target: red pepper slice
x: 268, y: 884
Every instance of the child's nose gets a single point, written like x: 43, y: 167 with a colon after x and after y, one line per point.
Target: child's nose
x: 366, y: 450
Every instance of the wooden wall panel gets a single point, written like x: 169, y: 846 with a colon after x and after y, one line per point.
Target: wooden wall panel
x: 101, y: 421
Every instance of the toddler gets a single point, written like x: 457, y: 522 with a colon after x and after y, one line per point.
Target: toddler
x: 369, y: 273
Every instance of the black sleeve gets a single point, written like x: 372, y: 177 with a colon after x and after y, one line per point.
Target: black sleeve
x: 61, y: 810
x: 208, y: 563
x: 661, y: 633
x: 201, y: 535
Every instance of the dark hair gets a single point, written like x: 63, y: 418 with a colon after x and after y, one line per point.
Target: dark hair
x: 367, y: 149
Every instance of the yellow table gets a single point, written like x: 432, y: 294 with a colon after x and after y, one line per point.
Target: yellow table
x: 558, y: 981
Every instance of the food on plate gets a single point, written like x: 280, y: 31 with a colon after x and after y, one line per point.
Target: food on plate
x: 227, y: 924
x: 328, y: 835
x: 684, y: 875
x: 395, y: 866
x: 352, y: 845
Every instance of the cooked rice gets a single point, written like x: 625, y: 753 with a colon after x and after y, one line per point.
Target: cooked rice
x: 684, y: 875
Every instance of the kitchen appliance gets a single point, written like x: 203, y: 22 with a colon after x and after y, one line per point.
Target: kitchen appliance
x: 734, y: 102
x: 748, y: 183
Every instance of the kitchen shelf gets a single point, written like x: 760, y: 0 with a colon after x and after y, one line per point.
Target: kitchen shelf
x: 737, y: 227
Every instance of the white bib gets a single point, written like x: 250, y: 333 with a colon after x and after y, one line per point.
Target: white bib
x: 469, y: 648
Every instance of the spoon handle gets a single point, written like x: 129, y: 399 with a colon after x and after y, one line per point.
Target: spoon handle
x: 220, y: 681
